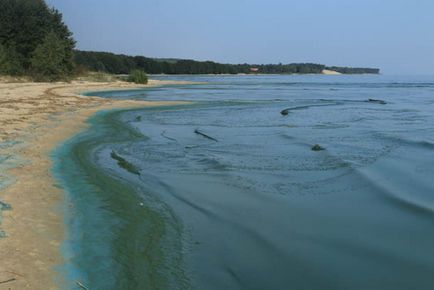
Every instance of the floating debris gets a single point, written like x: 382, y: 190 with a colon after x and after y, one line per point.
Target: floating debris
x: 317, y: 147
x: 139, y: 118
x: 304, y: 107
x: 163, y: 134
x: 284, y: 112
x: 191, y: 146
x: 81, y: 285
x: 125, y: 164
x: 205, y: 135
x: 381, y: 102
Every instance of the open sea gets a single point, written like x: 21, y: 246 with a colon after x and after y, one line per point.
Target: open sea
x: 227, y: 193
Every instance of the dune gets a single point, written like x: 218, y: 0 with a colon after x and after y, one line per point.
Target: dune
x: 330, y: 72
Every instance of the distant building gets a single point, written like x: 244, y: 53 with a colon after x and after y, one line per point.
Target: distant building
x: 254, y: 70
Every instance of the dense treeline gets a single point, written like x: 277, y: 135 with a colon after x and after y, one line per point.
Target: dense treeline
x: 354, y: 70
x: 34, y: 40
x: 122, y: 64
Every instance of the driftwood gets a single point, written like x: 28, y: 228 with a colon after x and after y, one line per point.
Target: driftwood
x: 81, y: 285
x: 381, y: 102
x: 317, y: 147
x: 284, y: 112
x: 15, y: 273
x: 7, y: 281
x: 163, y: 134
x: 331, y: 103
x: 192, y: 146
x: 205, y: 135
x: 125, y: 164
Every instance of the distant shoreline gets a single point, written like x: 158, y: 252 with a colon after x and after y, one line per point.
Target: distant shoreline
x: 261, y: 74
x: 121, y: 64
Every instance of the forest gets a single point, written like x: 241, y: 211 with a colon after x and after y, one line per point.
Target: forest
x: 34, y: 41
x: 122, y: 64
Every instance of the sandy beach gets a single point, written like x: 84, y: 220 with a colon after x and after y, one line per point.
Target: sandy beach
x: 330, y: 72
x: 34, y: 118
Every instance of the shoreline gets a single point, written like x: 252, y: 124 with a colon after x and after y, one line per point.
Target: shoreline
x: 41, y: 116
x: 107, y: 223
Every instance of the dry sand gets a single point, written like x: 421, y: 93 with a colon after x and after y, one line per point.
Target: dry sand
x: 41, y: 115
x: 330, y: 72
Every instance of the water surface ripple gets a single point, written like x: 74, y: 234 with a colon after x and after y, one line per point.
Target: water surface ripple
x: 252, y: 206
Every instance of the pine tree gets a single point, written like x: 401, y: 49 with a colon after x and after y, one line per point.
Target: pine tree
x: 24, y: 25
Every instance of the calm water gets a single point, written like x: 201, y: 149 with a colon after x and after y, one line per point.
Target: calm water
x: 154, y: 205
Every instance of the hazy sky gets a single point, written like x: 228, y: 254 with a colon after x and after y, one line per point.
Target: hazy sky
x: 394, y: 35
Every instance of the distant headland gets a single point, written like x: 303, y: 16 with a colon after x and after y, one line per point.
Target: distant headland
x: 123, y: 64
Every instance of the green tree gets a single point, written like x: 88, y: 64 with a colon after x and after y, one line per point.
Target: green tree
x: 9, y: 62
x: 4, y: 63
x: 51, y: 60
x: 24, y: 24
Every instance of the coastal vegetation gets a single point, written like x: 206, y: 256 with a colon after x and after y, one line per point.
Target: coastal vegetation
x: 34, y: 41
x: 122, y: 64
x: 138, y: 77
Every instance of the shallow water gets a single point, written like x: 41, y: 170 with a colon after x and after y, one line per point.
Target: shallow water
x: 254, y: 207
x: 7, y: 161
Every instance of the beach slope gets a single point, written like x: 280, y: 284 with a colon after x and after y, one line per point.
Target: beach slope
x: 34, y: 118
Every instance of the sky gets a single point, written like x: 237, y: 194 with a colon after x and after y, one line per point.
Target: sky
x: 396, y: 36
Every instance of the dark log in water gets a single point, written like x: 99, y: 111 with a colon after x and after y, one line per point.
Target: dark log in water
x: 332, y: 103
x: 125, y: 164
x: 284, y: 112
x: 163, y: 134
x: 205, y: 135
x: 317, y: 147
x: 79, y: 284
x: 377, y: 101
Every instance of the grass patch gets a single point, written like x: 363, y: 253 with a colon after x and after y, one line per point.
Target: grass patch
x: 138, y: 77
x: 99, y: 77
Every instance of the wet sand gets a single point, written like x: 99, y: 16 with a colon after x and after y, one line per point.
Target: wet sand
x: 39, y: 116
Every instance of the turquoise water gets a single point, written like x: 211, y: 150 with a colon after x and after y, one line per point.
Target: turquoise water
x: 7, y: 161
x: 227, y: 193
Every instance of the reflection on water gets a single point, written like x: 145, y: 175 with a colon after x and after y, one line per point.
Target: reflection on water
x: 259, y: 209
